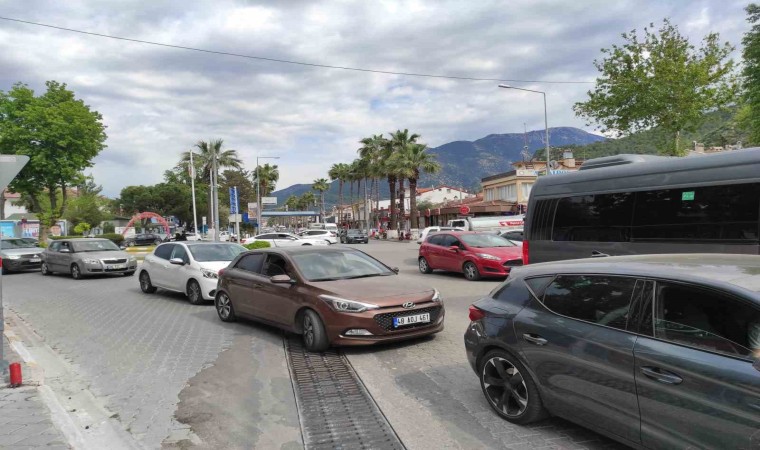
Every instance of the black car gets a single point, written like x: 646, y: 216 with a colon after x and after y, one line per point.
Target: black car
x: 655, y: 351
x: 354, y: 236
x: 143, y: 239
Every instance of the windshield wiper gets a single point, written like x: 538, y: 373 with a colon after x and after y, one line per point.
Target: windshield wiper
x: 363, y: 276
x: 328, y: 279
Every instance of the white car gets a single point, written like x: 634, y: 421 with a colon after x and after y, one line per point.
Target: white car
x: 429, y: 230
x: 514, y: 236
x: 191, y: 268
x: 285, y: 240
x: 329, y: 236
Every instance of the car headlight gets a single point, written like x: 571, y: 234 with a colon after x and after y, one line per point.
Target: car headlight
x: 345, y: 305
x: 436, y: 296
x: 132, y: 259
x: 209, y: 273
x: 13, y: 257
x: 91, y: 261
x: 487, y: 256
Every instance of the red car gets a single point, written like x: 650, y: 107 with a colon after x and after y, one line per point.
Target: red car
x: 474, y: 254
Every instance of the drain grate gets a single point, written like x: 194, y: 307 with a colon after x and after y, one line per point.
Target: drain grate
x: 335, y: 409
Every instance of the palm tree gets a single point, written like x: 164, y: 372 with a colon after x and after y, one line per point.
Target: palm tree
x: 400, y: 141
x: 203, y: 159
x: 321, y: 185
x: 292, y: 204
x: 371, y: 152
x: 267, y: 175
x: 306, y: 200
x: 410, y: 162
x: 340, y: 172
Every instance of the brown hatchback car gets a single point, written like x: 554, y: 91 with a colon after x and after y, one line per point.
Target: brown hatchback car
x: 331, y: 296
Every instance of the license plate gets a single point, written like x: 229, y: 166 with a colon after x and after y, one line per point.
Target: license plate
x: 35, y: 260
x: 409, y: 320
x: 116, y: 266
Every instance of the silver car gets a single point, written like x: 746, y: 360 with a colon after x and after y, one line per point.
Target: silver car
x: 85, y: 257
x: 19, y: 254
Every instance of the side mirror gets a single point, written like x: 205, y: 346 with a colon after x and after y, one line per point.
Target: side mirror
x: 394, y: 269
x: 454, y: 248
x: 282, y: 279
x: 756, y: 363
x: 177, y: 261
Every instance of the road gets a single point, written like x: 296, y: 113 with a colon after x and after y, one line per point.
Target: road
x: 170, y: 374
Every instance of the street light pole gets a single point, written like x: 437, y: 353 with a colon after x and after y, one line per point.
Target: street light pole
x: 258, y: 191
x: 546, y: 119
x: 216, y: 196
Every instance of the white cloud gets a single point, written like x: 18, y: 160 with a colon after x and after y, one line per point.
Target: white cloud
x: 157, y: 102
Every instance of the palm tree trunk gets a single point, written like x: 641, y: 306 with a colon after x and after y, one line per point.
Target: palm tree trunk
x: 401, y: 205
x: 413, y: 202
x: 392, y: 206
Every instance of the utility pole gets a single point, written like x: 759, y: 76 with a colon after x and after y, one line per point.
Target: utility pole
x: 192, y: 187
x: 546, y: 120
x: 216, y: 197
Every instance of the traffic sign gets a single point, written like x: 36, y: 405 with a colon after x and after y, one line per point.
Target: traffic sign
x: 10, y: 166
x: 464, y: 209
x: 233, y: 200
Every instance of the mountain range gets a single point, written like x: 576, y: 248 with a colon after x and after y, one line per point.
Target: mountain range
x: 464, y: 163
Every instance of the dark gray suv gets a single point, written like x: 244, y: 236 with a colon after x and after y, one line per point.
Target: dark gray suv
x: 655, y: 351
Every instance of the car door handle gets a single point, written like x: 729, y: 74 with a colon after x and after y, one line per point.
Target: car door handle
x: 533, y: 339
x: 663, y: 376
x: 598, y: 254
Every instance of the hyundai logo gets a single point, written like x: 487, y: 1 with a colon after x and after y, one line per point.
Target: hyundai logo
x: 408, y: 305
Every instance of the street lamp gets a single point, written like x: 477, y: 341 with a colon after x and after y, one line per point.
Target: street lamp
x: 546, y: 120
x: 258, y: 191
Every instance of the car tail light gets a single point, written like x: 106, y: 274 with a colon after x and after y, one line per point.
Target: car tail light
x: 476, y: 313
x: 525, y: 253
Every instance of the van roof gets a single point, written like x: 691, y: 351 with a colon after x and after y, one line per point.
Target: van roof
x: 642, y: 172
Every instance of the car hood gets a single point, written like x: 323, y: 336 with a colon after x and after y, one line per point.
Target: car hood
x: 383, y: 291
x: 216, y: 266
x: 101, y: 255
x: 21, y: 251
x: 500, y: 252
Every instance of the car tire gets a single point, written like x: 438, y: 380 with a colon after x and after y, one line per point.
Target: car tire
x: 130, y: 243
x: 157, y: 242
x: 523, y: 402
x: 314, y: 334
x: 224, y: 307
x: 424, y: 266
x: 76, y: 272
x: 44, y: 270
x: 145, y: 284
x: 194, y: 293
x: 471, y: 271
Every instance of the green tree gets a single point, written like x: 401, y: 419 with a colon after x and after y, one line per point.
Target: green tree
x: 321, y: 185
x: 750, y: 116
x: 82, y: 228
x: 268, y: 176
x: 340, y: 172
x: 399, y: 143
x: 410, y: 163
x: 659, y: 80
x: 85, y: 208
x: 242, y: 179
x: 371, y: 152
x: 203, y: 159
x: 62, y: 136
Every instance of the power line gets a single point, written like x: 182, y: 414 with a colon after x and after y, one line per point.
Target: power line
x: 285, y: 61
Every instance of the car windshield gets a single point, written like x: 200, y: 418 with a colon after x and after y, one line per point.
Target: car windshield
x: 215, y: 252
x: 485, y: 241
x: 338, y: 265
x: 94, y: 246
x: 16, y: 243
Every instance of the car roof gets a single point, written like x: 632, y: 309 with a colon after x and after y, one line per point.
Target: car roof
x: 733, y: 271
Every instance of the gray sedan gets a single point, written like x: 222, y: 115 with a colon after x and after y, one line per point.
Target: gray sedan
x: 83, y: 257
x: 656, y: 351
x: 19, y: 254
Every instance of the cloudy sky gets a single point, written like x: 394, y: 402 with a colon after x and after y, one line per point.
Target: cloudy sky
x: 157, y: 101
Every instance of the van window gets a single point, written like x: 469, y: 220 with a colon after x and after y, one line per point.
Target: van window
x: 729, y: 212
x: 599, y: 218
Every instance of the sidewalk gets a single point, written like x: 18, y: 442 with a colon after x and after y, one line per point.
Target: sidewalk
x: 25, y: 421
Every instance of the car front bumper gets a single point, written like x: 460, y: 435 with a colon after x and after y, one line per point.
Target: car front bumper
x: 488, y: 268
x: 100, y: 268
x: 379, y: 323
x: 208, y: 287
x: 20, y: 264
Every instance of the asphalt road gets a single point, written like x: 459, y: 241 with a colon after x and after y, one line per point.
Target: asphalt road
x: 173, y: 375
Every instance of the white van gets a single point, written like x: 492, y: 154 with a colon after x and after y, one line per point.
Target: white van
x: 488, y: 223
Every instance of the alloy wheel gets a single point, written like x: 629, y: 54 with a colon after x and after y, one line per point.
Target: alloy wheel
x: 75, y: 273
x: 308, y: 331
x: 44, y: 269
x: 194, y: 292
x: 424, y: 265
x: 470, y: 271
x: 223, y: 306
x: 505, y: 387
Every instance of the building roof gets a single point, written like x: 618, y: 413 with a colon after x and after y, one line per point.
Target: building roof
x: 11, y: 195
x: 19, y: 216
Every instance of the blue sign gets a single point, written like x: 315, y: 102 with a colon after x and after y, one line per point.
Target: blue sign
x: 233, y: 200
x: 245, y: 218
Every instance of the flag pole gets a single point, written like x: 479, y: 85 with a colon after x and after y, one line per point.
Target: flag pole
x: 192, y: 188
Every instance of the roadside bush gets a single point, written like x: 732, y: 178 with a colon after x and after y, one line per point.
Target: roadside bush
x: 109, y: 228
x: 257, y: 244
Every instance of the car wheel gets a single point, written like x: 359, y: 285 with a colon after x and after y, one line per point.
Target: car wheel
x: 471, y: 271
x: 509, y: 388
x: 76, y: 272
x: 157, y: 241
x: 424, y: 266
x: 314, y: 334
x: 145, y: 283
x: 44, y: 269
x: 194, y: 294
x: 130, y: 243
x: 224, y: 307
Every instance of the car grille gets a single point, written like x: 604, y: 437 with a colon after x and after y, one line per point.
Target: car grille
x: 386, y: 320
x: 31, y: 255
x: 513, y: 263
x: 114, y: 261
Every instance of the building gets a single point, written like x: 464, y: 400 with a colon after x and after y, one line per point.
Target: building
x: 10, y: 205
x: 514, y: 186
